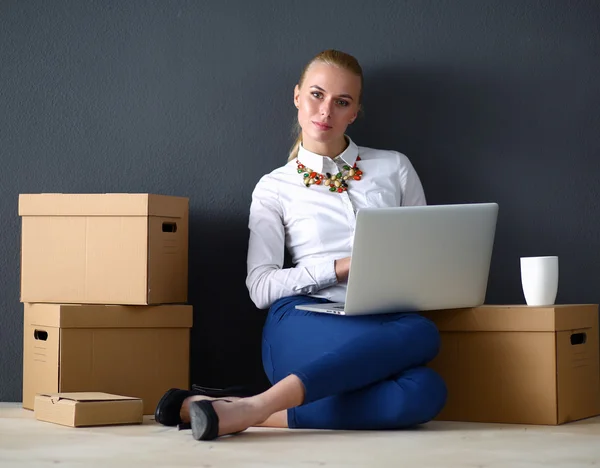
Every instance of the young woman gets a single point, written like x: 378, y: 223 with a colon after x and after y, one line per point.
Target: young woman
x: 327, y: 371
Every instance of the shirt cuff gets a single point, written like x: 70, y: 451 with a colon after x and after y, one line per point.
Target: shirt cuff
x: 324, y: 274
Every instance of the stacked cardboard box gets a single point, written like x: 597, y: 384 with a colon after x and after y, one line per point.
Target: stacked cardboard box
x: 104, y: 282
x: 519, y: 364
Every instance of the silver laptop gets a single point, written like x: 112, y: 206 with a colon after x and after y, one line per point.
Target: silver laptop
x: 418, y: 258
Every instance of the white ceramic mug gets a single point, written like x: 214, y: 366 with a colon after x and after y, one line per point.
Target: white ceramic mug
x: 539, y: 278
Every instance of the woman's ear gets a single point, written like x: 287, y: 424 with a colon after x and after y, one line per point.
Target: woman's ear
x: 296, y: 96
x: 356, y: 114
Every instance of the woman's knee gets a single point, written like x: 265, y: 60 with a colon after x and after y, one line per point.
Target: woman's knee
x: 432, y: 338
x: 423, y: 394
x: 425, y: 339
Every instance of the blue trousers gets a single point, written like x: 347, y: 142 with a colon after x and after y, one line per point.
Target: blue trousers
x: 361, y: 372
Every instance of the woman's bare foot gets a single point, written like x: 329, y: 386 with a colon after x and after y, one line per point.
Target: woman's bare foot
x: 238, y: 416
x: 267, y: 409
x: 184, y: 412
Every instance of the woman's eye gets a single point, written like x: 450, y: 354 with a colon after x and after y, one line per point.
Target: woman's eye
x: 342, y: 103
x: 316, y: 94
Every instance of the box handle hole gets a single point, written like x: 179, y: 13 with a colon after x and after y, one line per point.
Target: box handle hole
x: 169, y: 227
x: 40, y: 335
x: 578, y: 338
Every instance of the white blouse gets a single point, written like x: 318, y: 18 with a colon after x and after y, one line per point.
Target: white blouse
x: 315, y: 224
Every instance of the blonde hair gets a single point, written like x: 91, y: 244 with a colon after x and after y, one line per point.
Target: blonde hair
x: 337, y: 59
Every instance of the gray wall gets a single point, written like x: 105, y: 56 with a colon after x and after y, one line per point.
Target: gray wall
x: 492, y: 100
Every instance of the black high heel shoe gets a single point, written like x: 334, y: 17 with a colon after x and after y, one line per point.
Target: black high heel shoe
x: 204, y: 420
x: 169, y: 406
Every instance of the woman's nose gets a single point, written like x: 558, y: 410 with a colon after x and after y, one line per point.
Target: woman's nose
x: 326, y: 107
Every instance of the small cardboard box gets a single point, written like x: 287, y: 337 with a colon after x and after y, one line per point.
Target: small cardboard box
x: 139, y: 351
x: 104, y: 248
x: 519, y: 364
x: 88, y: 409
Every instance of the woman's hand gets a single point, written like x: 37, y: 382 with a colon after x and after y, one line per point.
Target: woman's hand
x: 342, y: 269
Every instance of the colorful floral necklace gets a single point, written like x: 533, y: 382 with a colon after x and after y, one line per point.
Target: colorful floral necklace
x: 336, y: 182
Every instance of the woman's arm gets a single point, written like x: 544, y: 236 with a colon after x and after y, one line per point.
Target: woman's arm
x: 410, y: 184
x: 342, y: 269
x: 267, y: 280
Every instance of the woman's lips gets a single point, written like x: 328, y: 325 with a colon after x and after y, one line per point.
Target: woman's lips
x: 322, y: 126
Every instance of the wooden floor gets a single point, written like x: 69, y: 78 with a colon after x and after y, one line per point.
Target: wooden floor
x: 25, y: 441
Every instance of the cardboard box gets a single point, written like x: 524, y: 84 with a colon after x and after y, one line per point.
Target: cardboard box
x: 88, y: 409
x: 104, y: 248
x: 138, y: 351
x: 519, y: 364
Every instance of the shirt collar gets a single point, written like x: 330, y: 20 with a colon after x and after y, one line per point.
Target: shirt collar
x: 319, y: 163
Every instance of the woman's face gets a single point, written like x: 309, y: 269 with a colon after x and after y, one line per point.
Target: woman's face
x: 327, y: 103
